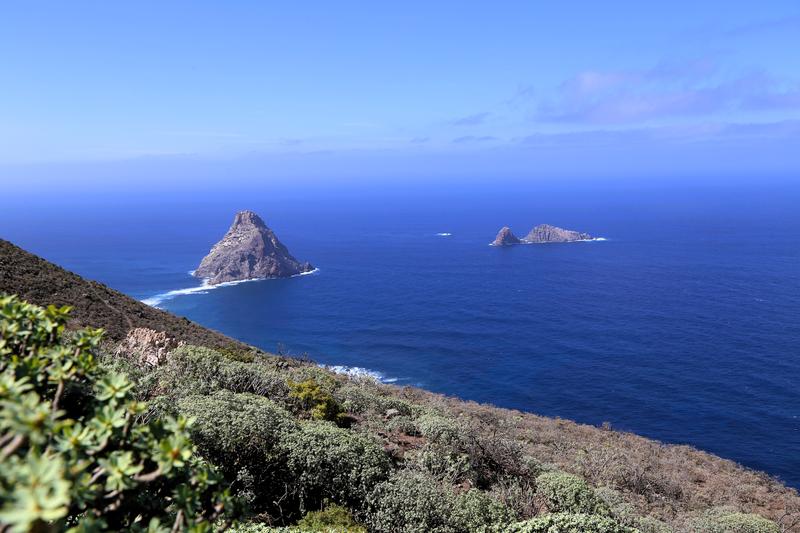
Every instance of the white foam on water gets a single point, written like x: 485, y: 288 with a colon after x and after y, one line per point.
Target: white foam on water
x: 444, y: 234
x: 359, y: 372
x: 154, y: 301
x: 315, y: 271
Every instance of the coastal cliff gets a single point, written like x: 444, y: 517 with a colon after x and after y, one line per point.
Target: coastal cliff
x: 249, y: 250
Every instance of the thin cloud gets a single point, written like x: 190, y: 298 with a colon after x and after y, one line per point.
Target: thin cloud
x: 701, y: 132
x: 471, y: 120
x: 474, y: 139
x: 667, y: 90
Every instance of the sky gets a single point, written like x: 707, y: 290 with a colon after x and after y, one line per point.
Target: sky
x: 399, y: 88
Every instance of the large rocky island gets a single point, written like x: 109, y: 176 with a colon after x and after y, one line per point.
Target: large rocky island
x: 541, y: 234
x: 250, y: 250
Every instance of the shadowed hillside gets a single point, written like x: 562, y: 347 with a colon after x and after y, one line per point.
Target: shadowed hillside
x: 43, y: 283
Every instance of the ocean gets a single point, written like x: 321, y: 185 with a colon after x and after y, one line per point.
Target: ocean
x: 683, y: 325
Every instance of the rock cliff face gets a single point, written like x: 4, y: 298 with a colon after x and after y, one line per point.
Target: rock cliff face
x: 546, y: 233
x: 249, y: 250
x: 147, y: 346
x: 505, y: 238
x: 541, y: 234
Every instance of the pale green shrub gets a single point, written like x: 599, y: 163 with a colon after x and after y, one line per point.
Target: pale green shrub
x: 725, y: 520
x: 565, y: 523
x: 474, y: 510
x: 411, y: 502
x: 327, y: 462
x: 198, y: 370
x: 441, y: 463
x: 359, y: 399
x: 440, y: 430
x: 565, y: 493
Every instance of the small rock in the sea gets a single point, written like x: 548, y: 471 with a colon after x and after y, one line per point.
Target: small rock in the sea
x: 505, y: 238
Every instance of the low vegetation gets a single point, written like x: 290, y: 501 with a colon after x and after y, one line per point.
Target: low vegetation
x: 94, y: 439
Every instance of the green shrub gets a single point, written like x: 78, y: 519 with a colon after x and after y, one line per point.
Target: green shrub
x: 565, y: 493
x: 402, y: 424
x: 440, y: 430
x: 236, y: 353
x: 726, y: 520
x: 474, y: 510
x: 74, y: 453
x: 626, y: 514
x: 237, y: 429
x: 411, y: 502
x: 327, y: 462
x: 242, y: 434
x: 197, y: 370
x: 440, y: 462
x: 362, y: 399
x: 565, y: 523
x: 333, y: 519
x: 314, y: 401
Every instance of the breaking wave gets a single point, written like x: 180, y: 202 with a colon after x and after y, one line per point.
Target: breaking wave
x: 154, y: 301
x: 359, y: 372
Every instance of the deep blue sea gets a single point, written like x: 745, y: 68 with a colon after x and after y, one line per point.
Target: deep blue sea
x: 684, y: 325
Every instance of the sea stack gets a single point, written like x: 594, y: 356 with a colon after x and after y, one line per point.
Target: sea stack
x: 545, y: 233
x: 250, y: 250
x: 505, y: 238
x: 541, y: 234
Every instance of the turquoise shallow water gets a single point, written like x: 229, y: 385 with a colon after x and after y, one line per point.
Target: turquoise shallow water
x: 683, y: 326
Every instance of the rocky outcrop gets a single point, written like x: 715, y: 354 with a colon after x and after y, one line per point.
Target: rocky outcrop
x: 250, y: 250
x: 544, y: 233
x: 505, y: 238
x: 146, y: 346
x: 541, y: 234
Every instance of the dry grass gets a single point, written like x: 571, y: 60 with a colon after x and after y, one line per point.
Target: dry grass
x: 668, y: 482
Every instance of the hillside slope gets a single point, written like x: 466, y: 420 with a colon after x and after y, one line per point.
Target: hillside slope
x: 418, y: 446
x: 42, y: 283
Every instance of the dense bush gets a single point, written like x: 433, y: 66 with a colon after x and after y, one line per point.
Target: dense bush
x: 416, y: 502
x: 565, y: 523
x: 333, y: 519
x: 313, y: 400
x: 474, y: 510
x: 565, y: 493
x: 198, y: 370
x: 242, y: 433
x: 330, y: 463
x: 237, y: 429
x: 411, y: 502
x: 442, y: 463
x: 361, y: 398
x: 440, y: 430
x: 74, y: 453
x: 729, y: 521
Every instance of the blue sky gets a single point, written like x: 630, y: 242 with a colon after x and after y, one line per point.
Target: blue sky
x: 437, y: 87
